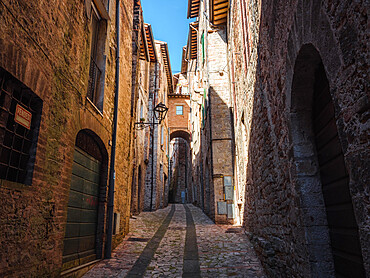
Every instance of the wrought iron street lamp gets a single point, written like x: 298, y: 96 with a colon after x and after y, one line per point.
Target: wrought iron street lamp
x: 159, y: 111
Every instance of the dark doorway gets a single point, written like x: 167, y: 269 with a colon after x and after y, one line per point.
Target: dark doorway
x: 326, y: 201
x: 342, y: 224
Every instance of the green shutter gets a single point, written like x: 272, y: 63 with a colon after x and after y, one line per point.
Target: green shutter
x: 202, y: 42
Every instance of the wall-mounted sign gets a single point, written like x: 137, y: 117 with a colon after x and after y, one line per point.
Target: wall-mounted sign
x: 230, y: 211
x: 229, y: 192
x: 23, y: 117
x: 221, y: 208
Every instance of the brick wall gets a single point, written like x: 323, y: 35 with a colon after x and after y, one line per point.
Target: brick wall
x: 46, y: 45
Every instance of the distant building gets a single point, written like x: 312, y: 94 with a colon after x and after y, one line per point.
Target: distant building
x: 156, y: 179
x: 212, y: 143
x: 180, y: 136
x: 143, y: 70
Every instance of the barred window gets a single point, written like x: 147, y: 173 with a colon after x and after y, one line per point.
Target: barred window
x: 97, y: 59
x: 20, y: 113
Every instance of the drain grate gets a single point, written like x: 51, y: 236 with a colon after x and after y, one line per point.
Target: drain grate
x: 139, y: 239
x: 234, y: 230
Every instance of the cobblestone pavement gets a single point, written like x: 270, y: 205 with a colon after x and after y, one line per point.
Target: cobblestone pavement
x: 220, y: 253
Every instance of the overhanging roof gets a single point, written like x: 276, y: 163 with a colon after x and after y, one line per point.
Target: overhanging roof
x: 193, y: 8
x: 150, y: 42
x: 184, y: 62
x: 167, y: 65
x: 219, y: 9
x: 144, y: 50
x: 193, y: 40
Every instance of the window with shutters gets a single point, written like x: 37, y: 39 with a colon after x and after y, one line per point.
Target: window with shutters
x: 20, y: 113
x: 95, y: 91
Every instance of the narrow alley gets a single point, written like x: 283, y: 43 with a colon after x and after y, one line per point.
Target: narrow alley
x: 184, y: 138
x: 180, y: 241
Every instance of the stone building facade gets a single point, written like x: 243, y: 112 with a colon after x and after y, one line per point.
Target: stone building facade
x: 58, y: 76
x: 207, y: 45
x: 156, y: 179
x: 179, y: 130
x: 143, y: 68
x: 301, y: 112
x: 298, y: 84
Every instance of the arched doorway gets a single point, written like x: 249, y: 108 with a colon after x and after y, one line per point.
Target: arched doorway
x: 85, y: 210
x: 326, y: 203
x: 179, y: 190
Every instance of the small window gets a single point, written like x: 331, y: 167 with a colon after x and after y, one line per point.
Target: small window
x: 20, y: 113
x: 141, y: 110
x: 179, y: 110
x: 162, y: 135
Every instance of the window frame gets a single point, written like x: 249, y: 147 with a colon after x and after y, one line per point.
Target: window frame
x: 182, y: 110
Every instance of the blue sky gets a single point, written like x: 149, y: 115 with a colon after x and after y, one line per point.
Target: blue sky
x: 169, y: 24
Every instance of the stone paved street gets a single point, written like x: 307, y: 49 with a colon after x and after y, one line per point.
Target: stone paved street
x: 157, y: 243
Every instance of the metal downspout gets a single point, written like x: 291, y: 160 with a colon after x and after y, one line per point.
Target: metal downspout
x: 112, y: 174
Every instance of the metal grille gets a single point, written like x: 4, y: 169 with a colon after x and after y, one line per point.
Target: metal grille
x: 95, y: 71
x: 94, y: 77
x: 17, y: 143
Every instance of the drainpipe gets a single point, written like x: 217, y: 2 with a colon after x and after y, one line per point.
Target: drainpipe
x: 112, y: 174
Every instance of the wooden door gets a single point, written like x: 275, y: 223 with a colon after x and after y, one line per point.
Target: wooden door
x: 82, y: 213
x: 343, y: 227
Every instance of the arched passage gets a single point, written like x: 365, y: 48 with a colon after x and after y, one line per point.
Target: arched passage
x: 83, y: 241
x: 180, y: 134
x: 329, y: 221
x: 180, y: 190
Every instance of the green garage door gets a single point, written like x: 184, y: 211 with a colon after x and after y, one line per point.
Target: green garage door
x: 82, y: 214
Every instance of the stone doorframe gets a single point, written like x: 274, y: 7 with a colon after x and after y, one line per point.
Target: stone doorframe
x: 305, y: 171
x: 310, y: 41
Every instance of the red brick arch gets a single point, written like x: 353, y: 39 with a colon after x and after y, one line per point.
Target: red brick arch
x: 184, y: 134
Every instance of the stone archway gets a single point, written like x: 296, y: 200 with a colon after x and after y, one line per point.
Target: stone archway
x: 180, y: 133
x: 320, y: 173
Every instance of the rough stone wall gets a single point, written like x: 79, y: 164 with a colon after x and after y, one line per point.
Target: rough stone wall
x: 264, y: 52
x: 140, y: 96
x: 46, y: 45
x: 216, y: 128
x: 152, y: 147
x: 158, y: 82
x: 195, y: 129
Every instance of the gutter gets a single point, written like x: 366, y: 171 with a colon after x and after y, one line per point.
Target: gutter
x: 112, y: 174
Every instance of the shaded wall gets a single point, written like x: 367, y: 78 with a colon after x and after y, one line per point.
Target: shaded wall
x: 265, y: 44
